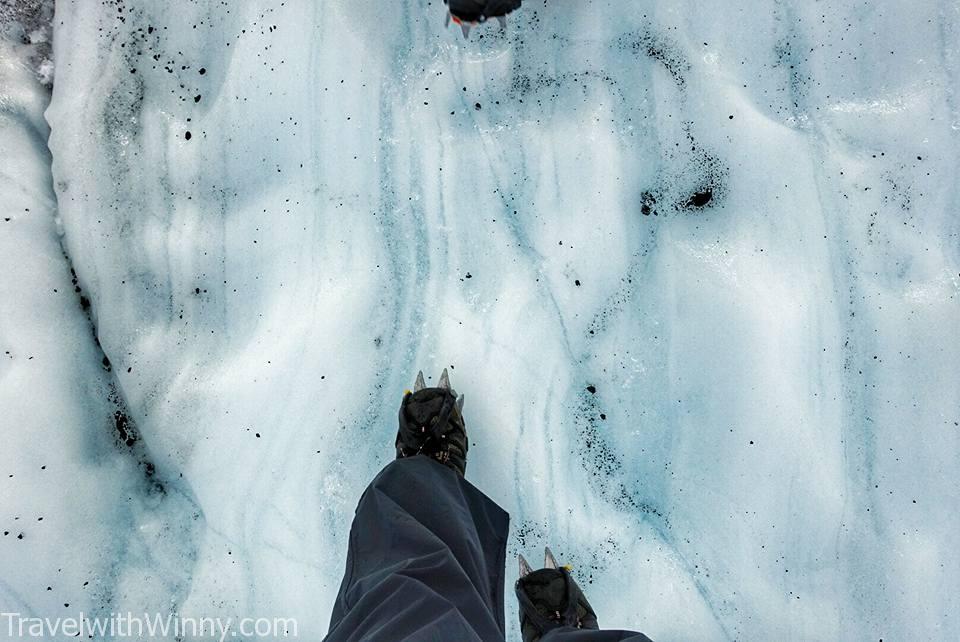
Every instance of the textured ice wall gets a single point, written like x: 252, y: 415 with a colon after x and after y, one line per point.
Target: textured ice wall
x: 695, y: 266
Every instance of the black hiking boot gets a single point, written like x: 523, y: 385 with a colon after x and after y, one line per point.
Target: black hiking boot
x: 431, y: 424
x: 549, y: 599
x: 470, y: 13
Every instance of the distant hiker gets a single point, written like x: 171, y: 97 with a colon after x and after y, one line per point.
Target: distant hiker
x: 425, y: 559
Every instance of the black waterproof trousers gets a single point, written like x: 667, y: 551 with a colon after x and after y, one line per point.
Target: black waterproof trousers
x: 426, y: 562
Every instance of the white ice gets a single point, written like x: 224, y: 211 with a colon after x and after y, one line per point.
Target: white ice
x: 695, y: 265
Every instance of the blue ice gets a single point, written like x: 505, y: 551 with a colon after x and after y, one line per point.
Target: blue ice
x: 695, y: 265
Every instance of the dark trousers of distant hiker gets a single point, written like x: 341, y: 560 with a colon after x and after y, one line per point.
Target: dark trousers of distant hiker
x: 426, y: 562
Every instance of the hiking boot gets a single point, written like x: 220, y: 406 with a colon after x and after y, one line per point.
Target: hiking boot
x: 431, y: 424
x: 550, y: 598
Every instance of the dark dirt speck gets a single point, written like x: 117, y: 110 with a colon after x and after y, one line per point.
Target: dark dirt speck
x: 700, y: 199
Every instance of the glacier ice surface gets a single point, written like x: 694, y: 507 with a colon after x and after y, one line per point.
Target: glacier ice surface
x: 694, y: 264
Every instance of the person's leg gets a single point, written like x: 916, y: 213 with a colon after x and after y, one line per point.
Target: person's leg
x: 425, y: 560
x: 426, y: 553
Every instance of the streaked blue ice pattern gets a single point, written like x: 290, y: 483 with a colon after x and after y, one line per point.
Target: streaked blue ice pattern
x: 695, y: 266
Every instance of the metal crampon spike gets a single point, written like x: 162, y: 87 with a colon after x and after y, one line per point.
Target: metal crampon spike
x: 446, y: 22
x: 460, y: 404
x: 549, y: 561
x: 503, y: 22
x: 524, y: 566
x: 466, y: 31
x: 419, y: 385
x: 444, y: 380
